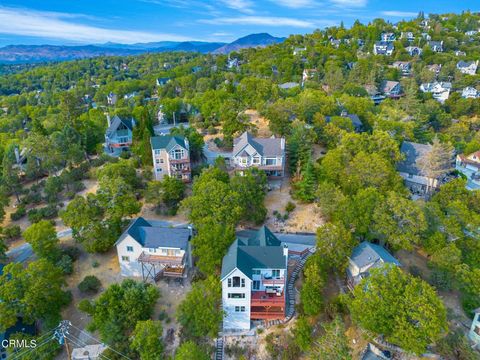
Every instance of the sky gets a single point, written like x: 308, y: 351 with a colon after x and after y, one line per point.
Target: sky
x: 73, y: 22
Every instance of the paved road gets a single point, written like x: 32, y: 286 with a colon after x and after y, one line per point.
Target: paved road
x: 24, y: 252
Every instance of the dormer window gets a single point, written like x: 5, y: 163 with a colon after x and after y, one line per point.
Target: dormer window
x: 178, y: 154
x: 256, y: 160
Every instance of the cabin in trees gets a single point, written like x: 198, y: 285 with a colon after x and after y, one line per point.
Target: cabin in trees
x: 414, y: 50
x: 112, y: 99
x: 383, y: 48
x: 354, y: 119
x: 365, y: 257
x: 436, y: 46
x: 267, y: 154
x: 440, y: 90
x: 410, y: 169
x: 254, y: 278
x: 405, y: 67
x: 118, y: 136
x: 469, y: 165
x: 470, y: 93
x: 151, y: 252
x: 474, y: 333
x: 391, y: 89
x: 171, y: 156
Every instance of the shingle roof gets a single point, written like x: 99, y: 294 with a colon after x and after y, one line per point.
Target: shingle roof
x: 167, y: 142
x: 264, y: 251
x: 150, y: 236
x: 356, y: 122
x: 116, y: 122
x: 413, y: 151
x: 367, y: 253
x: 263, y: 146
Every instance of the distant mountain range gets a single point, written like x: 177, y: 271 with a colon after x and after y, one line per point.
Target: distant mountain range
x: 46, y: 53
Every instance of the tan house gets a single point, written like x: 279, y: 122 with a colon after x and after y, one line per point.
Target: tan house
x: 171, y: 156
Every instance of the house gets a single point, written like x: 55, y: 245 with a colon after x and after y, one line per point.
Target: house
x: 299, y: 50
x: 409, y: 168
x: 275, y: 70
x: 89, y: 352
x: 335, y: 43
x: 388, y: 37
x: 309, y: 74
x: 470, y: 93
x: 254, y: 278
x: 118, y: 136
x: 163, y: 81
x: 474, y: 333
x: 467, y: 67
x: 471, y: 32
x: 383, y: 48
x: 440, y: 90
x: 288, y: 85
x: 405, y: 67
x: 365, y: 257
x: 196, y: 69
x: 436, y: 46
x: 426, y: 36
x: 376, y: 96
x: 171, y: 156
x: 356, y: 122
x: 130, y: 96
x: 267, y: 154
x: 150, y: 251
x: 414, y: 50
x: 469, y: 165
x: 460, y: 53
x: 232, y: 63
x: 371, y: 352
x: 391, y: 89
x: 112, y: 99
x: 407, y: 35
x: 435, y: 68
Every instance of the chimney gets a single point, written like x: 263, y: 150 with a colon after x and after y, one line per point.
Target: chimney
x: 285, y: 251
x: 17, y: 155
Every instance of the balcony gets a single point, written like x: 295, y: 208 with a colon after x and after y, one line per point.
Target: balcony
x: 180, y: 161
x: 269, y: 281
x: 271, y: 313
x: 162, y: 259
x: 265, y: 299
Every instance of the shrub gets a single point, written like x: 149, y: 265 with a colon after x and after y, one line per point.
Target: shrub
x: 78, y: 186
x: 12, y: 232
x: 89, y: 285
x: 72, y: 251
x: 290, y: 207
x: 66, y: 264
x: 47, y: 212
x: 31, y: 198
x: 17, y: 215
x: 95, y: 264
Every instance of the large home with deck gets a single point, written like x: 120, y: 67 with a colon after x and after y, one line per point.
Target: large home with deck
x: 467, y: 67
x: 171, y: 156
x: 151, y: 252
x: 383, y: 48
x: 254, y: 278
x: 118, y: 136
x: 365, y: 257
x: 267, y: 154
x: 440, y: 90
x: 436, y: 46
x: 410, y: 169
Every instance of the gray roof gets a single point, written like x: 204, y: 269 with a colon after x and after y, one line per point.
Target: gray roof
x: 263, y: 251
x: 371, y: 352
x: 288, y: 85
x: 465, y: 64
x: 368, y: 254
x: 150, y: 236
x: 116, y: 122
x: 356, y: 122
x: 167, y: 142
x: 413, y: 152
x: 263, y: 146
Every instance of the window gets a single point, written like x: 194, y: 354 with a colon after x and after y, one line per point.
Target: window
x: 276, y: 274
x: 236, y: 296
x: 236, y: 281
x: 161, y: 161
x: 229, y: 282
x: 256, y: 285
x: 125, y: 258
x: 256, y: 160
x: 243, y: 282
x: 242, y: 308
x: 243, y: 160
x: 164, y: 252
x: 177, y: 154
x: 256, y: 272
x: 159, y: 169
x: 152, y: 250
x: 271, y: 162
x: 157, y: 161
x: 130, y: 248
x: 239, y: 308
x: 157, y: 152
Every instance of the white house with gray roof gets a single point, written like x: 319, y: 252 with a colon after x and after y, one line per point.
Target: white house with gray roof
x: 254, y: 278
x: 267, y: 154
x: 150, y: 251
x: 366, y: 256
x: 171, y: 156
x: 467, y: 67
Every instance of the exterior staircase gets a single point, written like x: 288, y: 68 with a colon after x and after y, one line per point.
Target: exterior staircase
x: 219, y: 348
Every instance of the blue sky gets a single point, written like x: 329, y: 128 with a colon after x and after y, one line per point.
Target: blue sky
x: 131, y: 21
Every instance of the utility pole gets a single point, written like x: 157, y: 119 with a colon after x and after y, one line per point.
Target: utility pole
x: 60, y: 335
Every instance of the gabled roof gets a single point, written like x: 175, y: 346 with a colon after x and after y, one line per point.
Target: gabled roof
x: 413, y: 152
x: 387, y: 85
x: 149, y: 236
x: 369, y: 254
x: 356, y: 122
x: 116, y: 122
x: 167, y: 142
x: 263, y: 146
x: 466, y: 64
x: 264, y: 251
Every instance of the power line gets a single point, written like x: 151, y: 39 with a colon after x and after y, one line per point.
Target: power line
x: 83, y: 344
x: 39, y: 341
x: 21, y: 354
x: 90, y: 336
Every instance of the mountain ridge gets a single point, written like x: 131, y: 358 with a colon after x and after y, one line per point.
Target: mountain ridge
x: 17, y: 54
